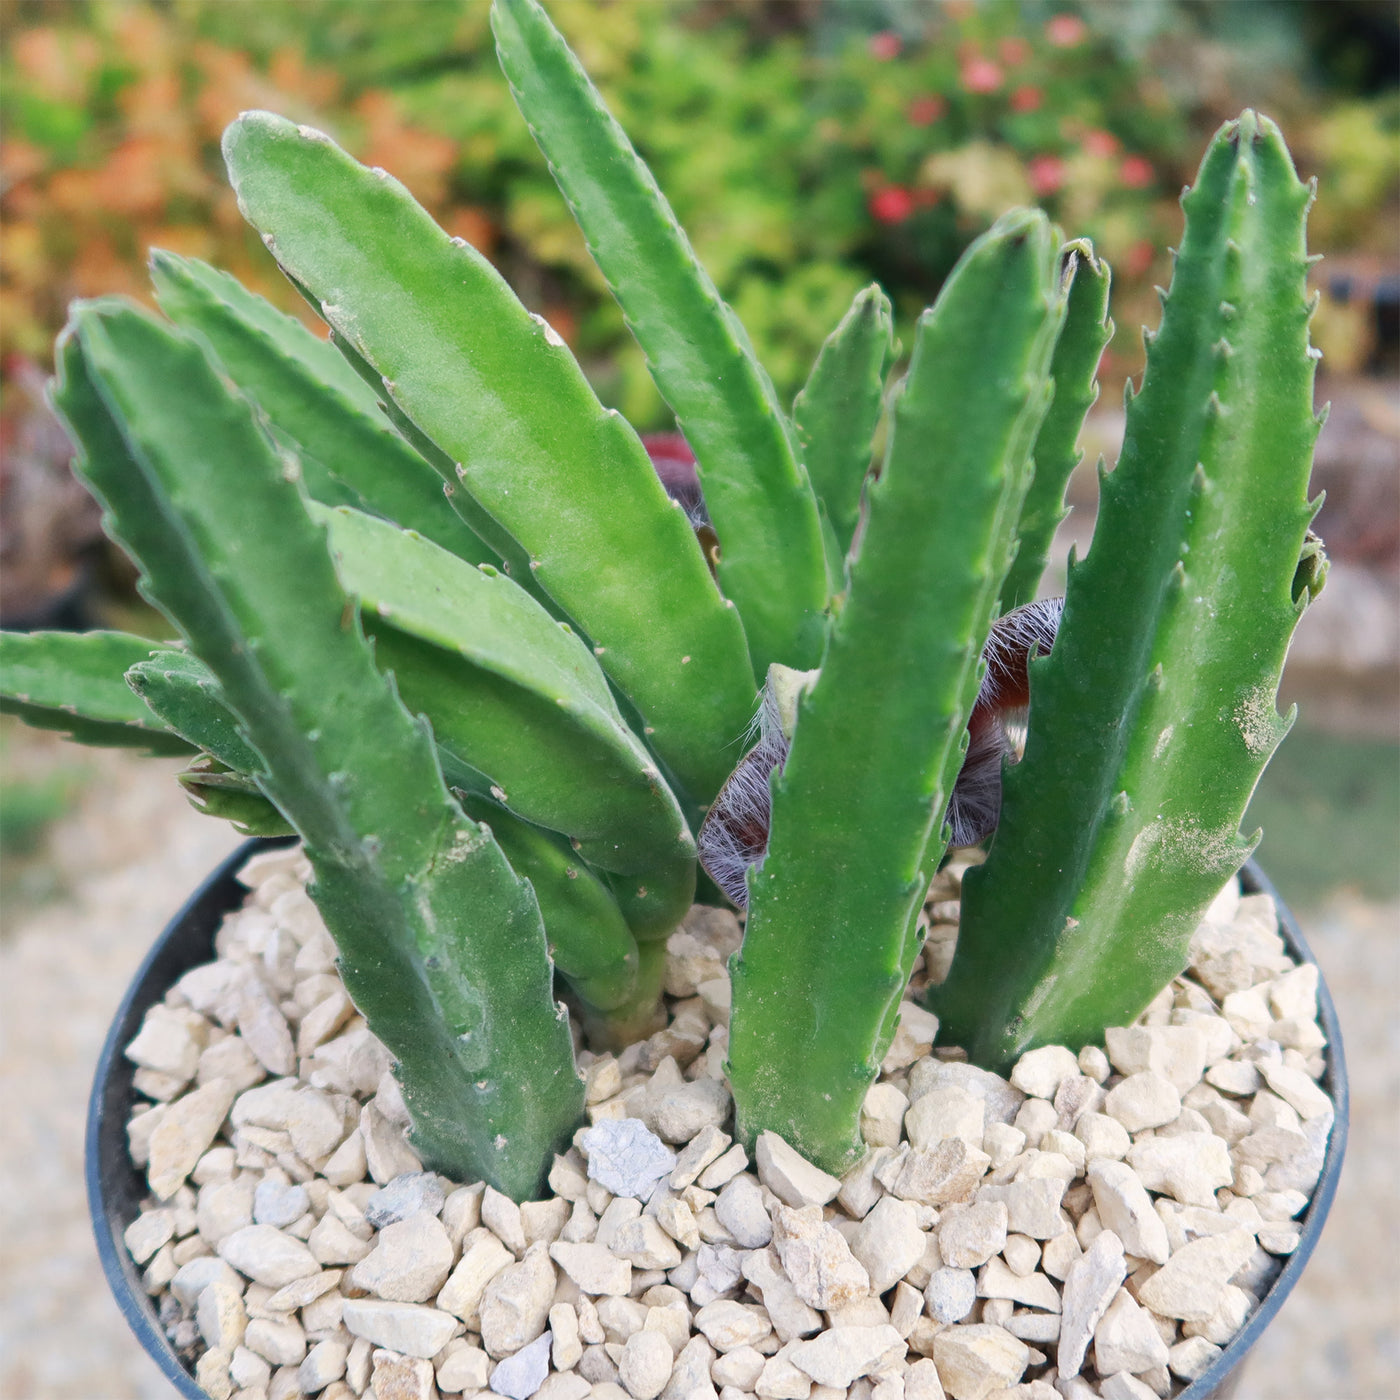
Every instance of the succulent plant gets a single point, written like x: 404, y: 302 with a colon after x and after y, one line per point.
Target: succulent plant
x: 438, y: 617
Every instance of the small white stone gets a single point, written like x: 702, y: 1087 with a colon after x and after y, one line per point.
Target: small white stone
x: 1094, y: 1063
x: 973, y: 1361
x: 995, y: 1280
x: 698, y: 1153
x: 1039, y: 1072
x: 969, y: 1235
x: 1123, y: 1386
x: 387, y: 1153
x: 940, y: 1175
x: 790, y: 1176
x: 948, y: 1112
x: 1293, y: 996
x: 1035, y: 1118
x: 1190, y: 1167
x: 724, y: 1168
x: 1003, y: 1100
x: 1191, y: 1283
x: 248, y: 1370
x: 1001, y: 1142
x: 1177, y: 1053
x: 1192, y: 1357
x: 211, y: 1374
x: 410, y: 1261
x: 283, y: 1343
x: 727, y: 1325
x: 1022, y: 1254
x: 817, y: 1259
x: 842, y: 1355
x: 268, y: 1256
x: 542, y: 1221
x: 186, y: 1128
x: 566, y: 1347
x: 594, y: 1268
x: 690, y: 1376
x: 741, y: 1211
x: 402, y: 1377
x: 1126, y: 1338
x: 334, y: 1242
x: 324, y: 1363
x: 645, y: 1244
x: 791, y: 1317
x: 1229, y: 1316
x: 302, y: 1292
x: 221, y: 1316
x: 408, y: 1328
x: 882, y: 1115
x: 951, y: 1294
x: 263, y: 1028
x: 1143, y: 1100
x: 195, y: 1275
x: 888, y: 1242
x: 1297, y: 1089
x: 501, y: 1216
x: 626, y: 1157
x: 781, y: 1380
x: 740, y: 1368
x: 279, y: 1202
x: 1123, y: 1205
x: 645, y: 1364
x: 681, y: 1113
x: 521, y: 1374
x: 407, y: 1195
x: 146, y: 1234
x: 516, y: 1303
x: 1032, y: 1205
x: 1091, y: 1283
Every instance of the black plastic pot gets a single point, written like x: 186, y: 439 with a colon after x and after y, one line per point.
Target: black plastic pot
x: 116, y: 1188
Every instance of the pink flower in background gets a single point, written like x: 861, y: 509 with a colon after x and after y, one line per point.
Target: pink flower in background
x: 885, y: 45
x: 1047, y: 174
x: 924, y: 111
x: 1014, y: 51
x: 1138, y: 259
x: 1100, y: 143
x: 1066, y: 31
x: 892, y: 204
x: 1026, y: 98
x: 980, y: 75
x: 1136, y: 172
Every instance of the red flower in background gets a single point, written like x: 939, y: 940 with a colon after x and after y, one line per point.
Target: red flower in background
x: 891, y: 204
x: 924, y: 111
x: 1026, y: 99
x: 1014, y: 51
x: 885, y: 45
x: 980, y: 75
x: 1100, y: 143
x: 1138, y: 259
x: 1066, y: 31
x: 1136, y: 172
x: 1047, y: 174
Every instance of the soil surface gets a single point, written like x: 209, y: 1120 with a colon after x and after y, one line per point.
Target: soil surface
x: 124, y: 859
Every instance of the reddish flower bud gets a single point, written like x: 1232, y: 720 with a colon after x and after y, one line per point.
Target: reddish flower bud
x: 1026, y: 99
x: 981, y: 75
x: 891, y: 205
x: 1066, y: 31
x: 1047, y: 174
x: 1136, y: 172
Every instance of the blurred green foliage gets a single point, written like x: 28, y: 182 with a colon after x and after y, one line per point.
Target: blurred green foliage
x: 808, y: 146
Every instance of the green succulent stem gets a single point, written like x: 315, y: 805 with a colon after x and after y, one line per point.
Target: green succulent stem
x: 857, y: 813
x: 1154, y: 715
x: 417, y: 897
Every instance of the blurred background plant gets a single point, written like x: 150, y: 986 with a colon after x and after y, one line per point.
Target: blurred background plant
x: 808, y: 146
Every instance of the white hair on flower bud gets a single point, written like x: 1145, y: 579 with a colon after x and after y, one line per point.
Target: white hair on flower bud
x: 734, y: 835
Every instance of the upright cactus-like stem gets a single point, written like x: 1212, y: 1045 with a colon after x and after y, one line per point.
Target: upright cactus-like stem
x: 417, y: 896
x: 858, y: 810
x: 1154, y: 715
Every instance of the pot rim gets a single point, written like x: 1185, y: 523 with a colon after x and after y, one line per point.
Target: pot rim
x: 113, y: 1095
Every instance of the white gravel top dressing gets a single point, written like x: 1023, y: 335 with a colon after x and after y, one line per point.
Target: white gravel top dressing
x: 1100, y: 1225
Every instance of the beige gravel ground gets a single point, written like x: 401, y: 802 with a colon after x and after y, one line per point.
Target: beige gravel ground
x: 129, y: 860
